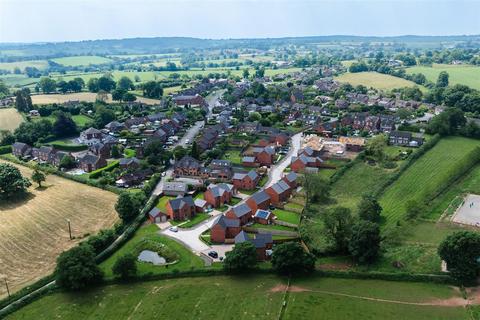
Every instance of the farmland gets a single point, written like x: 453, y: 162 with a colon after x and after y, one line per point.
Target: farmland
x: 255, y: 297
x: 459, y: 74
x: 34, y: 230
x: 10, y: 119
x: 375, y: 80
x: 427, y: 175
x: 10, y: 66
x: 81, y: 60
x: 81, y: 96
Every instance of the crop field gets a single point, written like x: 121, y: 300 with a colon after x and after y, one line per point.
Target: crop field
x: 81, y: 60
x: 253, y: 297
x: 10, y: 119
x: 459, y: 74
x: 34, y: 230
x: 375, y: 80
x: 426, y: 175
x: 10, y: 66
x: 80, y: 96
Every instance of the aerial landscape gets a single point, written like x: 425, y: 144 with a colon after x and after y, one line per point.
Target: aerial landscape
x: 242, y: 159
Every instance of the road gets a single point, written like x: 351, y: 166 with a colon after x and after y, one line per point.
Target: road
x: 276, y: 171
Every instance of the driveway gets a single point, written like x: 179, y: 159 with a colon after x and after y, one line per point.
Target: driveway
x: 276, y: 171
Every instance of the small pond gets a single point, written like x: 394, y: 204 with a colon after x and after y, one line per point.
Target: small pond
x: 151, y: 257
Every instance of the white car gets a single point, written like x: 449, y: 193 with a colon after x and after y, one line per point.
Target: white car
x: 173, y: 229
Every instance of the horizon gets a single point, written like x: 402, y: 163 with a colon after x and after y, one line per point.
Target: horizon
x: 231, y: 19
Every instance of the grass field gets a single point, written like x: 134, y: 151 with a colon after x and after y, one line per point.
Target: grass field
x: 287, y: 216
x: 233, y: 156
x: 39, y: 64
x: 10, y: 119
x: 253, y: 297
x: 81, y: 60
x: 79, y: 119
x: 462, y: 74
x: 81, y: 96
x: 426, y: 175
x: 375, y: 80
x: 34, y: 231
x: 187, y: 259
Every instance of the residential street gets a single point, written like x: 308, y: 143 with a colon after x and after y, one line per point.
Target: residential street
x: 276, y: 171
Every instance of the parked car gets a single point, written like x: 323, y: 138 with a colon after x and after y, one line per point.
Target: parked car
x: 173, y: 229
x: 213, y: 254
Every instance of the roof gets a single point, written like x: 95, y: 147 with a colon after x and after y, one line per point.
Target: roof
x: 127, y: 161
x: 241, y: 210
x: 248, y: 159
x: 242, y: 237
x: 224, y: 222
x: 175, y: 186
x: 403, y: 134
x: 181, y: 202
x: 200, y: 203
x: 90, y: 158
x: 92, y: 131
x: 260, y: 196
x: 20, y: 145
x: 215, y: 190
x: 260, y: 240
x: 154, y: 212
x: 220, y: 163
x: 262, y: 214
x: 292, y: 176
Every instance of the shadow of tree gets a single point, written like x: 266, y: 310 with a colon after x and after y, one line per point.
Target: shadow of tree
x: 16, y: 201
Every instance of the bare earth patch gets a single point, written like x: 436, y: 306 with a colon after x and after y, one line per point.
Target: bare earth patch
x: 34, y: 230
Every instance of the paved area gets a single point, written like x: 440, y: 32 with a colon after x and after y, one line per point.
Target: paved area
x: 469, y: 211
x: 276, y: 171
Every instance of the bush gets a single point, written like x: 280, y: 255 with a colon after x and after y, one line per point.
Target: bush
x: 125, y: 267
x: 5, y: 149
x: 290, y: 258
x: 97, y: 173
x: 69, y: 147
x: 243, y: 257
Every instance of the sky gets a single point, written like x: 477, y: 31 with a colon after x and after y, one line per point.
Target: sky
x: 73, y: 20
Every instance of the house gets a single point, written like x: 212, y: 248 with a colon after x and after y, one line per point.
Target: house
x: 129, y: 163
x: 291, y: 179
x: 265, y: 156
x: 220, y: 169
x: 224, y: 228
x: 133, y: 178
x: 279, y: 192
x: 263, y: 243
x: 326, y: 128
x: 196, y: 100
x: 241, y: 212
x: 246, y: 181
x: 182, y: 208
x: 404, y: 138
x: 249, y: 161
x: 156, y: 216
x: 248, y: 127
x: 56, y: 158
x: 100, y: 149
x: 91, y: 162
x: 187, y: 166
x: 355, y: 144
x: 45, y: 152
x: 115, y: 126
x: 90, y: 134
x: 263, y: 216
x: 201, y: 205
x: 20, y: 149
x: 218, y: 195
x: 387, y: 124
x: 372, y: 123
x: 174, y: 188
x: 301, y: 162
x: 259, y: 200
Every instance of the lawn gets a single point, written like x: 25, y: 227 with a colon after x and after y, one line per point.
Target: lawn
x: 233, y: 156
x: 81, y: 120
x: 34, y: 230
x: 10, y: 119
x: 162, y: 203
x: 458, y: 74
x: 272, y: 227
x: 287, y: 216
x: 375, y: 80
x: 80, y: 96
x: 426, y: 176
x: 81, y: 60
x: 251, y: 297
x: 187, y: 259
x: 199, y: 217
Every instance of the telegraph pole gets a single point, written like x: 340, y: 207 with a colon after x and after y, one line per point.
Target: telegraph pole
x: 6, y: 285
x: 69, y: 229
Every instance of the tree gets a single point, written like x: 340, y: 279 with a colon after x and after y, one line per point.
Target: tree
x: 290, y: 258
x: 364, y: 244
x: 243, y: 257
x: 375, y: 147
x: 152, y: 89
x: 155, y: 154
x: 63, y: 86
x: 118, y: 94
x: 338, y: 224
x: 125, y: 267
x: 6, y: 137
x: 23, y: 101
x: 254, y: 116
x: 195, y: 151
x: 369, y: 209
x: 64, y: 125
x: 246, y: 73
x: 115, y: 151
x: 67, y: 162
x: 3, y: 89
x: 92, y: 85
x: 448, y: 122
x: 127, y: 207
x: 125, y: 84
x: 442, y: 80
x: 106, y: 83
x: 47, y: 85
x: 179, y: 152
x: 77, y: 269
x: 103, y: 116
x: 461, y: 252
x: 316, y: 188
x: 38, y: 177
x: 260, y: 73
x: 11, y: 181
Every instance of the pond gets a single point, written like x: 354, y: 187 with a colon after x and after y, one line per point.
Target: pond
x: 151, y: 257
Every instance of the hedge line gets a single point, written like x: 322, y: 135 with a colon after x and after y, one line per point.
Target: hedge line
x: 340, y: 172
x: 5, y: 149
x: 69, y: 147
x: 97, y: 173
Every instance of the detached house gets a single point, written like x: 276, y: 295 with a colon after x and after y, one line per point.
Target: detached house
x: 218, y: 195
x: 181, y: 208
x: 259, y: 200
x: 91, y: 162
x: 263, y: 243
x: 301, y: 162
x: 404, y: 138
x: 263, y: 216
x: 129, y: 163
x: 279, y: 192
x: 20, y: 149
x: 291, y: 179
x: 241, y: 212
x: 224, y: 228
x: 246, y: 181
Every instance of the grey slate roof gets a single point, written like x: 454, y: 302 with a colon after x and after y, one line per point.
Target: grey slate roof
x: 260, y: 196
x: 224, y: 222
x: 181, y: 202
x: 241, y: 210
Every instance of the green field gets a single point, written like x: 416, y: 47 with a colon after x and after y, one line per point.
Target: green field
x: 187, y: 259
x: 462, y: 74
x: 427, y: 175
x: 253, y: 297
x: 375, y: 80
x: 81, y: 60
x: 233, y: 156
x: 10, y: 66
x: 80, y: 119
x: 10, y: 119
x: 287, y: 216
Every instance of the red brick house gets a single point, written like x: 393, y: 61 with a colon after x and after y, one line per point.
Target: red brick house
x: 279, y: 192
x: 224, y: 228
x: 259, y: 200
x: 246, y: 181
x: 279, y: 139
x: 291, y: 179
x: 300, y: 163
x: 187, y: 166
x: 181, y: 208
x: 263, y: 243
x: 241, y: 212
x: 218, y: 195
x: 265, y: 157
x: 263, y: 216
x: 189, y: 100
x: 249, y: 162
x: 91, y: 162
